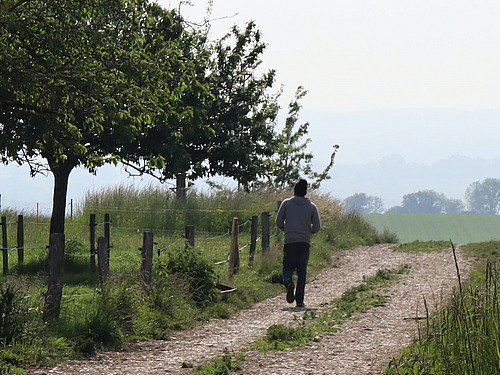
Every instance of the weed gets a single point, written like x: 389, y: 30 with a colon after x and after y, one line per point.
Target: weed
x: 223, y: 365
x: 12, y: 314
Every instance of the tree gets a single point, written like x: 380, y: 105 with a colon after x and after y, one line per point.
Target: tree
x: 89, y: 82
x: 484, y: 197
x: 428, y: 201
x: 290, y: 159
x: 363, y: 203
x: 237, y: 127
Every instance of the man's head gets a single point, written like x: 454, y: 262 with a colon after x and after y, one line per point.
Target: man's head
x: 300, y: 188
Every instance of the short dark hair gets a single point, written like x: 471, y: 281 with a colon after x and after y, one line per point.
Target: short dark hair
x: 300, y: 188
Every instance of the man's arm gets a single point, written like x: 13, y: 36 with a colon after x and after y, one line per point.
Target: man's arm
x: 315, y: 220
x: 280, y: 217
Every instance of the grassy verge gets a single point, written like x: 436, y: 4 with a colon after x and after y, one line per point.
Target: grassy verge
x: 461, y: 338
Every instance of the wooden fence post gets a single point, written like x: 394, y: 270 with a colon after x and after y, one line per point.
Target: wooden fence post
x: 189, y: 235
x: 253, y: 239
x: 92, y: 226
x: 5, y: 248
x: 102, y: 258
x: 266, y: 231
x: 107, y: 232
x: 147, y: 258
x: 20, y: 239
x: 234, y: 255
x: 55, y: 279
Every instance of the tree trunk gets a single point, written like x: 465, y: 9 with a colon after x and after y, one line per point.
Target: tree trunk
x: 61, y: 179
x: 56, y: 244
x: 180, y: 186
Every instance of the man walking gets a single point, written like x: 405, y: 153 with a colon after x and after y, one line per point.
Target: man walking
x: 299, y: 218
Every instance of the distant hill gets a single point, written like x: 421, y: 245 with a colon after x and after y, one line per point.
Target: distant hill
x: 461, y: 229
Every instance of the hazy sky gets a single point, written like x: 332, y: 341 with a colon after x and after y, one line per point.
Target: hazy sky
x: 359, y: 55
x: 420, y: 79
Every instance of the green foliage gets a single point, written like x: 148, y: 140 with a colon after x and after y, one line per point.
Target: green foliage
x: 279, y: 337
x: 95, y: 325
x: 428, y: 202
x: 239, y: 122
x: 97, y: 82
x: 483, y: 198
x: 291, y: 160
x: 350, y: 230
x: 363, y: 203
x: 189, y: 267
x: 224, y: 365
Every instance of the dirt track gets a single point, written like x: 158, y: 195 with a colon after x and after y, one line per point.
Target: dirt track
x: 364, y: 345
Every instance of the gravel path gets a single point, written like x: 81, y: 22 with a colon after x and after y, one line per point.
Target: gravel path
x: 364, y: 345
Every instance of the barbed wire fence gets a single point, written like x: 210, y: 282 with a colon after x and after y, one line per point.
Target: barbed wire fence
x: 103, y: 250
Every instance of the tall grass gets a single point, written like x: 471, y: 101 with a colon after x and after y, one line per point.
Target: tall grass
x: 184, y: 290
x: 464, y: 336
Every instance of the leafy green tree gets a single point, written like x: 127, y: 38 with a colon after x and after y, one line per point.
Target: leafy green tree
x: 89, y: 82
x: 290, y: 159
x: 363, y: 203
x: 484, y: 197
x: 241, y: 115
x: 428, y: 201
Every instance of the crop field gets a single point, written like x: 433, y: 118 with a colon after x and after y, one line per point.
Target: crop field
x: 461, y: 229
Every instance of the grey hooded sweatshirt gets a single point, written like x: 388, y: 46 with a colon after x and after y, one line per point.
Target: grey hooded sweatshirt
x: 299, y: 218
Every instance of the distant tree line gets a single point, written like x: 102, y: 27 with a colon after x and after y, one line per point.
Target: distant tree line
x: 481, y: 198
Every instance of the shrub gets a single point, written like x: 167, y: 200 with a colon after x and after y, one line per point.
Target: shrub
x: 189, y: 267
x: 351, y: 230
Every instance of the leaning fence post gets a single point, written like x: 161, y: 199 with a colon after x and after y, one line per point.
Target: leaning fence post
x: 55, y: 278
x: 147, y: 258
x: 102, y: 258
x: 253, y: 239
x: 92, y: 226
x: 189, y: 235
x: 20, y: 239
x: 234, y: 255
x: 266, y: 231
x: 5, y: 248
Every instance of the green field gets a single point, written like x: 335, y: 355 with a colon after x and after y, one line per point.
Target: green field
x: 461, y: 229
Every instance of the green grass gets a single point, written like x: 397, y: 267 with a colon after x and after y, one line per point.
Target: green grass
x: 461, y: 229
x: 423, y: 246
